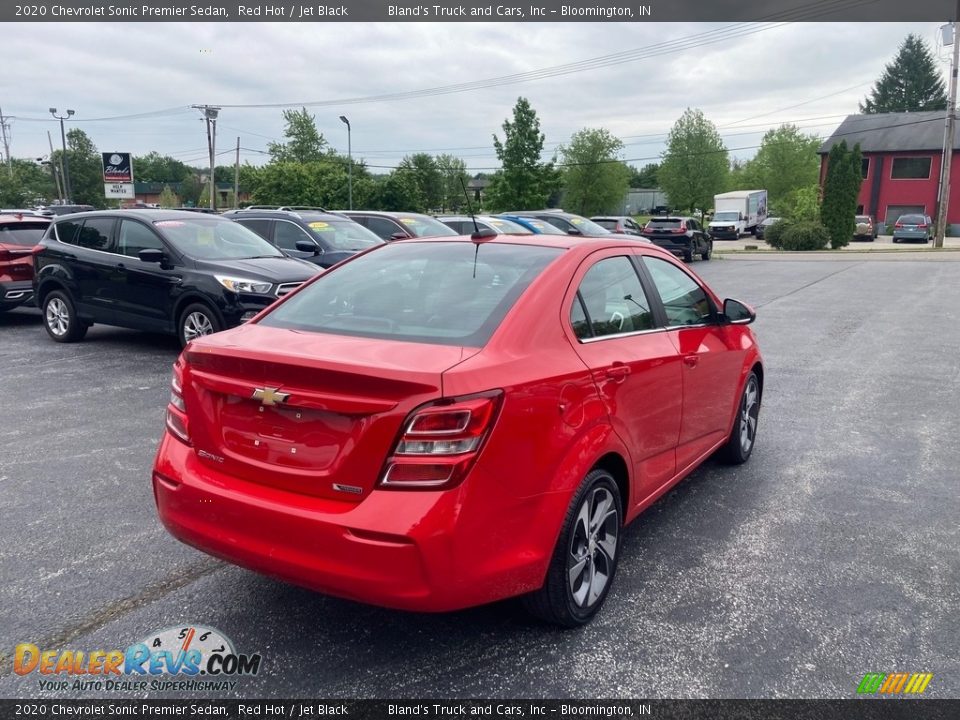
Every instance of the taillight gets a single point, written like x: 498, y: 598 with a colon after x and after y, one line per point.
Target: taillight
x: 899, y: 225
x: 922, y: 226
x: 440, y: 443
x: 176, y: 409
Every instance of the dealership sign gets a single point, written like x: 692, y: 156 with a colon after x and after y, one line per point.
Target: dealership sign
x: 117, y: 175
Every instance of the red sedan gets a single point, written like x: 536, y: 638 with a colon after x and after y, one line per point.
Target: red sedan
x: 436, y: 424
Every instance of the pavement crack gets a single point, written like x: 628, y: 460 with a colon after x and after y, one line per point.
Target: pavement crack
x: 119, y: 608
x: 808, y: 285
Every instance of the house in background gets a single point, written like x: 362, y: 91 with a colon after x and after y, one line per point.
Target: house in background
x: 148, y: 193
x: 902, y: 154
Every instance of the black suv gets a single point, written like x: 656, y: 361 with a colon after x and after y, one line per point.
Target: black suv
x: 398, y: 226
x: 683, y: 236
x: 313, y: 234
x: 158, y: 270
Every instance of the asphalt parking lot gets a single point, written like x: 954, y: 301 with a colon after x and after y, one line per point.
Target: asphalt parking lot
x: 832, y: 553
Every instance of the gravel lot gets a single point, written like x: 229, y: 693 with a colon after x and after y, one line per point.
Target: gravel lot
x: 832, y: 553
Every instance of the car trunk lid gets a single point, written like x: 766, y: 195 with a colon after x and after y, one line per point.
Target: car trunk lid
x: 306, y: 412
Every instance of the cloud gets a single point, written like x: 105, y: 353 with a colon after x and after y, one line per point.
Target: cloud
x: 114, y: 69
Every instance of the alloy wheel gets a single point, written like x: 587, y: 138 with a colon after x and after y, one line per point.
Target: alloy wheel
x: 749, y: 411
x: 195, y: 325
x: 58, y: 317
x: 593, y: 547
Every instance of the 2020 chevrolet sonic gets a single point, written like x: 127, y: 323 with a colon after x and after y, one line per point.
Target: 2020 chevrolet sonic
x: 445, y: 422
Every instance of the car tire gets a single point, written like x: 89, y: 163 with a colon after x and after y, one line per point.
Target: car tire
x: 708, y: 250
x: 571, y: 598
x: 197, y: 320
x: 60, y: 318
x: 688, y: 256
x: 743, y: 437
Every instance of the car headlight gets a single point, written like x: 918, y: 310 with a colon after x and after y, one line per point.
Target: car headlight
x: 243, y: 285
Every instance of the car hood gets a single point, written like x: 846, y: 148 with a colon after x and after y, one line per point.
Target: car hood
x: 273, y: 269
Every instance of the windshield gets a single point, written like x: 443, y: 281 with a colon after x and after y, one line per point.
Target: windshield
x: 22, y: 233
x: 426, y: 226
x: 726, y: 216
x: 214, y: 238
x: 507, y: 227
x: 344, y: 234
x: 448, y: 293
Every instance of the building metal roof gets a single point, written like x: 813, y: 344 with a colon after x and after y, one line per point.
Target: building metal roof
x: 893, y: 132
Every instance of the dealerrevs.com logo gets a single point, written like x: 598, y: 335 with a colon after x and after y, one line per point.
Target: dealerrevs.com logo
x: 894, y: 683
x: 186, y: 657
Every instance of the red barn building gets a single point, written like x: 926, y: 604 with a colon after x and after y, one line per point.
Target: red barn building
x: 902, y: 154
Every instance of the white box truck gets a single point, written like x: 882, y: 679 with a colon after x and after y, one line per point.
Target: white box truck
x: 737, y: 213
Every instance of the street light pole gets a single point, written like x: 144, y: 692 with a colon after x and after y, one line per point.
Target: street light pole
x: 67, y: 188
x: 210, y: 115
x: 343, y: 119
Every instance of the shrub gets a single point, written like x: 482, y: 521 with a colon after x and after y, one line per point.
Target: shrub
x: 774, y: 233
x: 804, y: 236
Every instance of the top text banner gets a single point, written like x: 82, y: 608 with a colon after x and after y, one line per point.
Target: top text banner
x: 481, y: 11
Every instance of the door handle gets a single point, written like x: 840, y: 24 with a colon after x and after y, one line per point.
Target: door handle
x: 121, y: 267
x: 691, y: 361
x: 618, y: 372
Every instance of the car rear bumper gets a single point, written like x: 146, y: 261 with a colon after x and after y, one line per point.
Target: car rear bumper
x: 401, y: 550
x: 912, y: 236
x: 16, y: 292
x: 677, y: 247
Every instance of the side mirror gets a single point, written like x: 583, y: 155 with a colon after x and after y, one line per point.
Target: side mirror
x: 738, y: 313
x: 574, y: 231
x: 151, y: 255
x: 399, y: 236
x: 308, y: 246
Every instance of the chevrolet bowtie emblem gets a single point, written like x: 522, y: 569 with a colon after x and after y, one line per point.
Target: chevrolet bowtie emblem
x: 269, y: 396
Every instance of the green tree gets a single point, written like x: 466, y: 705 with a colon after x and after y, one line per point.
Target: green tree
x: 304, y: 141
x: 154, y: 167
x: 802, y: 205
x: 840, y: 190
x: 86, y: 169
x: 168, y: 198
x: 453, y: 170
x: 786, y: 161
x: 29, y: 183
x: 594, y: 178
x: 399, y: 191
x: 190, y: 188
x: 645, y: 177
x: 695, y: 164
x: 910, y: 83
x: 428, y: 178
x: 523, y: 181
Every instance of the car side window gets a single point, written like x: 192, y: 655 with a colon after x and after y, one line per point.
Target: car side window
x: 286, y: 235
x: 613, y: 301
x: 95, y: 234
x: 382, y: 227
x: 135, y: 237
x: 66, y: 231
x: 692, y: 225
x: 260, y: 227
x: 685, y: 302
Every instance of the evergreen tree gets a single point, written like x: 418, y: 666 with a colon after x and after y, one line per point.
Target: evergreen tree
x: 168, y: 198
x: 911, y: 83
x: 840, y: 190
x: 695, y: 164
x: 523, y: 182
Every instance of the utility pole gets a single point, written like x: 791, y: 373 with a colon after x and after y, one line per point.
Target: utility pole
x: 236, y: 178
x: 6, y: 145
x: 53, y: 166
x: 948, y: 137
x: 210, y: 115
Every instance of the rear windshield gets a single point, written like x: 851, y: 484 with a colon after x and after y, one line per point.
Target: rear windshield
x: 213, y: 238
x: 426, y: 227
x: 22, y: 233
x: 863, y: 219
x: 605, y: 223
x: 913, y: 219
x: 666, y: 224
x: 453, y: 293
x: 344, y: 234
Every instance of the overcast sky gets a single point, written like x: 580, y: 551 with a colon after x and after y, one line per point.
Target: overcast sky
x: 749, y: 78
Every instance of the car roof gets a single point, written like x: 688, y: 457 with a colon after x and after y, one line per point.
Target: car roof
x: 658, y: 218
x: 277, y: 213
x: 384, y: 213
x: 141, y: 213
x: 559, y: 240
x: 24, y: 217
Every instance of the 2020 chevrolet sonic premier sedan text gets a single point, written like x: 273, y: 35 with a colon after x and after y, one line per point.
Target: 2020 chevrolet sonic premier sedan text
x: 436, y: 424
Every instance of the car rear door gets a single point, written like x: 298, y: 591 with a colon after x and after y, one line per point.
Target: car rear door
x: 635, y: 366
x: 711, y: 354
x: 92, y: 264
